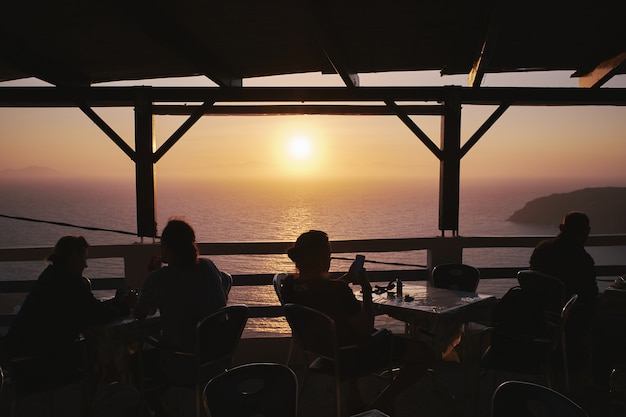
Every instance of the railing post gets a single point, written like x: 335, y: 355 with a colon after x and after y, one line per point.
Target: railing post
x: 442, y: 251
x: 136, y: 263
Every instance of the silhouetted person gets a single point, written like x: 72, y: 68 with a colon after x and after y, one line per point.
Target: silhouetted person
x: 186, y: 290
x: 311, y: 286
x: 565, y: 258
x: 57, y: 310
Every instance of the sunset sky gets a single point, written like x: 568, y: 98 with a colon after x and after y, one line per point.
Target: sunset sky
x: 586, y: 144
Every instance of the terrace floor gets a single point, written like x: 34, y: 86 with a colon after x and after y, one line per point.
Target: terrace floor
x: 423, y: 399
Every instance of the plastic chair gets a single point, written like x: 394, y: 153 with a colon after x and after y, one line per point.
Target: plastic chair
x: 217, y: 338
x: 525, y: 399
x: 254, y: 389
x: 316, y: 333
x: 458, y: 277
x: 539, y: 351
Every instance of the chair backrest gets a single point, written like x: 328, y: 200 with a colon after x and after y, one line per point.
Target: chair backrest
x: 454, y: 276
x: 565, y: 311
x: 315, y: 331
x: 525, y: 399
x: 278, y: 286
x: 217, y: 338
x: 227, y: 282
x: 550, y: 291
x: 254, y: 389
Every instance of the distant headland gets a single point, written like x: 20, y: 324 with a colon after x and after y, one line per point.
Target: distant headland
x: 605, y: 206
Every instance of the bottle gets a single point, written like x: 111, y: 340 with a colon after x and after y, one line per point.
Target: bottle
x: 398, y: 287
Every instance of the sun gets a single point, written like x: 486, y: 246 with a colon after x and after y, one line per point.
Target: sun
x: 300, y: 148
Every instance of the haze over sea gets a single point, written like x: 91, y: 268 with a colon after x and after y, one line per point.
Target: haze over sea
x: 258, y: 211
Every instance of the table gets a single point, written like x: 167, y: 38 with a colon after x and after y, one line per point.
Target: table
x: 115, y: 342
x: 438, y: 311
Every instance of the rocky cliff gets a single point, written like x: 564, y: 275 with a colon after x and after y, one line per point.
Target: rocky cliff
x: 606, y: 207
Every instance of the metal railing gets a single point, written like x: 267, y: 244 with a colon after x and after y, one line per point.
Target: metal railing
x: 438, y: 250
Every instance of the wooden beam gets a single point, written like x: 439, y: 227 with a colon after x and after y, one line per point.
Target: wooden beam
x: 326, y: 35
x: 294, y: 109
x: 603, y: 72
x: 160, y: 26
x: 125, y: 96
x: 481, y: 64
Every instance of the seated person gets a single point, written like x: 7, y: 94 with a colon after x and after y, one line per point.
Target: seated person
x: 186, y: 290
x: 312, y: 286
x: 57, y: 310
x: 565, y: 258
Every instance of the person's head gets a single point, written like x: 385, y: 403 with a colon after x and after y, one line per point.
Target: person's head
x: 311, y: 253
x: 575, y: 225
x: 178, y: 243
x: 70, y: 253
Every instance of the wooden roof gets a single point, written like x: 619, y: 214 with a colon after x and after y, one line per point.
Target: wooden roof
x: 81, y: 43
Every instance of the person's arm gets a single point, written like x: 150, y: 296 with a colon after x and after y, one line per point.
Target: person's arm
x: 149, y: 297
x: 363, y: 321
x: 90, y: 310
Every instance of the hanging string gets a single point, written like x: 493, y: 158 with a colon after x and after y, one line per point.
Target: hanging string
x: 380, y: 262
x: 68, y: 225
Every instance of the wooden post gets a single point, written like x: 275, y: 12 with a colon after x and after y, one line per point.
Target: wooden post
x: 145, y: 145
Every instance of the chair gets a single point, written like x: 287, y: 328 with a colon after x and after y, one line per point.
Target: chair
x: 454, y: 276
x: 525, y: 399
x: 278, y: 283
x: 530, y: 354
x: 254, y: 389
x: 457, y: 277
x: 217, y: 338
x: 550, y: 291
x: 20, y: 375
x: 278, y: 288
x: 316, y: 333
x: 227, y: 282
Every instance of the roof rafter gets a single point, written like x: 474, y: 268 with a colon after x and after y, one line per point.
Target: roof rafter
x: 156, y: 24
x: 479, y: 69
x: 330, y: 45
x: 603, y: 72
x: 49, y: 69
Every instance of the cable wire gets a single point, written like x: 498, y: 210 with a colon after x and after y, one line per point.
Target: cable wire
x: 68, y: 224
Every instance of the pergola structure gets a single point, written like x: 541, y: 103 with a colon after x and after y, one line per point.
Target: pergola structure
x: 73, y: 46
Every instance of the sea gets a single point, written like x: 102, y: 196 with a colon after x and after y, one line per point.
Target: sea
x: 264, y: 210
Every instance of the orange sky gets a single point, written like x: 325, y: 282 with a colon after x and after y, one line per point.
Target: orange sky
x: 584, y: 143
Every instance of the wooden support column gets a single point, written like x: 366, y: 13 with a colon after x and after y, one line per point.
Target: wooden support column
x: 145, y: 145
x: 450, y: 163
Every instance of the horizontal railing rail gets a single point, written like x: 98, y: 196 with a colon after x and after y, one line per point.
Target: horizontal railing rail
x: 438, y: 249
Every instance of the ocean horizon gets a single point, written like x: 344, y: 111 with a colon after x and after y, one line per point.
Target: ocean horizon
x: 256, y: 211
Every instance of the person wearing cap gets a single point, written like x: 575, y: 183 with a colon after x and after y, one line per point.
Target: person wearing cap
x: 313, y: 286
x: 565, y: 258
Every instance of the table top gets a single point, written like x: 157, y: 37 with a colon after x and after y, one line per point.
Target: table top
x: 438, y: 310
x: 420, y: 297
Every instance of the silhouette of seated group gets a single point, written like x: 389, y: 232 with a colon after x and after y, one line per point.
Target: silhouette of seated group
x: 198, y: 333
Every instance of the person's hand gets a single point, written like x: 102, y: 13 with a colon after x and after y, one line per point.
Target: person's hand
x: 358, y: 277
x: 154, y: 264
x: 129, y: 298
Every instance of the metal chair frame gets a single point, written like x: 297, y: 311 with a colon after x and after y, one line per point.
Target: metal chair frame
x: 330, y: 353
x: 217, y: 338
x: 526, y: 399
x: 269, y: 389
